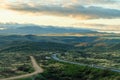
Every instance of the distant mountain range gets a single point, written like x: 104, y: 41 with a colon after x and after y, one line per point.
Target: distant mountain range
x: 35, y: 29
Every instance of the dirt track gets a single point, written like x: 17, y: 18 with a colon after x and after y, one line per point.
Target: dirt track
x: 35, y: 66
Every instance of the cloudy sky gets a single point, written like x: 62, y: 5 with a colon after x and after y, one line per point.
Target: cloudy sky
x: 103, y: 15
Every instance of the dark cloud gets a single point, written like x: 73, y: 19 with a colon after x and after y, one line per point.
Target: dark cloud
x: 74, y: 11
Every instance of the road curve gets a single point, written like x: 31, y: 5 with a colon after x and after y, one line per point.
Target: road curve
x: 54, y: 56
x: 35, y: 66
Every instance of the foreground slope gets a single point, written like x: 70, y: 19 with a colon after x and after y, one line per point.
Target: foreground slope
x: 35, y: 66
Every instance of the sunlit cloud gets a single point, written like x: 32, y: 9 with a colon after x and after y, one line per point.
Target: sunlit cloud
x: 73, y: 11
x: 100, y: 27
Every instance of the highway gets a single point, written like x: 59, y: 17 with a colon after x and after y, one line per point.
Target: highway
x: 54, y: 56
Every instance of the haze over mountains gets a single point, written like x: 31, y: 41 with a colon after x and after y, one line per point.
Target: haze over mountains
x: 35, y: 29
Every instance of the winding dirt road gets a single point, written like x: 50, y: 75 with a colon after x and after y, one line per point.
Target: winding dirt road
x: 35, y: 66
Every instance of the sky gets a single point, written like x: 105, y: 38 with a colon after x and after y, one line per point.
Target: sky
x: 102, y: 15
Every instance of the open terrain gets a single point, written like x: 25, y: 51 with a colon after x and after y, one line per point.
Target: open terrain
x: 96, y: 50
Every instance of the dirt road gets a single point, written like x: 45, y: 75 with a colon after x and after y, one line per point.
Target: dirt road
x: 35, y: 66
